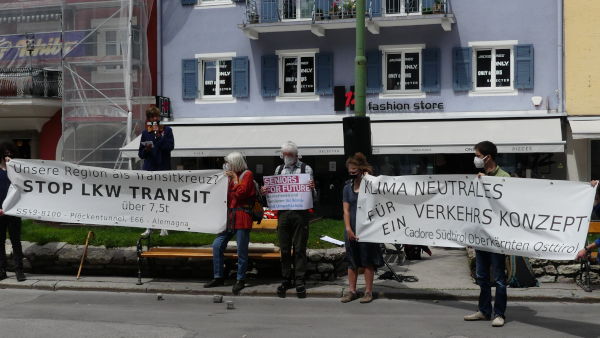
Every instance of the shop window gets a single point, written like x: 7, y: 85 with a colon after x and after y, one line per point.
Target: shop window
x: 297, y: 74
x: 402, y: 69
x: 493, y: 65
x: 215, y: 77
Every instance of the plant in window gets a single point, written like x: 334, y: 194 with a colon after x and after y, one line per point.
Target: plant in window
x: 349, y: 8
x: 319, y: 14
x: 438, y: 7
x: 427, y: 10
x: 335, y: 11
x: 252, y: 17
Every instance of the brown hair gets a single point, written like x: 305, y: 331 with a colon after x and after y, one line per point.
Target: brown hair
x: 360, y: 161
x: 152, y: 111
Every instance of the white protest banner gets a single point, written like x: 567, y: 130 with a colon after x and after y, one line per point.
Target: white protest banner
x: 525, y: 217
x: 63, y: 192
x: 289, y: 192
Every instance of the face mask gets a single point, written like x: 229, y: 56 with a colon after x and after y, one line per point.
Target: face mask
x: 226, y: 167
x: 478, y: 162
x: 288, y: 161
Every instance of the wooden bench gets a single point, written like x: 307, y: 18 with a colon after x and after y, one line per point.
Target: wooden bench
x: 202, y: 253
x: 583, y: 278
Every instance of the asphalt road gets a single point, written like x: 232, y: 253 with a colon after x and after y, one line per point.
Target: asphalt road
x: 35, y: 313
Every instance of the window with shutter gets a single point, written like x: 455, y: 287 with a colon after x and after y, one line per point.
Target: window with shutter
x: 240, y: 76
x: 215, y: 77
x: 269, y: 77
x: 524, y: 67
x: 189, y: 75
x: 373, y: 71
x: 324, y: 73
x: 461, y: 69
x: 493, y: 68
x: 431, y: 70
x: 402, y: 70
x: 297, y: 75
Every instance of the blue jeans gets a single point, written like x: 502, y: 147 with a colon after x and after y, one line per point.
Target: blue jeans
x: 219, y: 246
x: 483, y: 261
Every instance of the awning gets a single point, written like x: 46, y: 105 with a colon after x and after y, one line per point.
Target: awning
x: 252, y: 140
x: 584, y: 129
x: 541, y: 135
x: 535, y: 135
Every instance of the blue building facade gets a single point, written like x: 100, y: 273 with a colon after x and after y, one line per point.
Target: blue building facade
x: 442, y: 75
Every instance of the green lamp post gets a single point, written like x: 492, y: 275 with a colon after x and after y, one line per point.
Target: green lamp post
x: 357, y: 128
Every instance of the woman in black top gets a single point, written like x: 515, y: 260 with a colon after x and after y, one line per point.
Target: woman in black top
x: 10, y: 223
x: 358, y: 254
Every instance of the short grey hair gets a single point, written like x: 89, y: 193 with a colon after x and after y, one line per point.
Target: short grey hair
x: 289, y: 146
x: 236, y: 161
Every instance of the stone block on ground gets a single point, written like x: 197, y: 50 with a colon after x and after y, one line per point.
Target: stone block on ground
x: 565, y: 279
x: 314, y: 255
x: 536, y: 262
x: 70, y: 253
x: 325, y: 267
x: 124, y: 255
x: 547, y: 279
x: 571, y: 269
x: 550, y: 270
x: 47, y: 251
x: 98, y: 255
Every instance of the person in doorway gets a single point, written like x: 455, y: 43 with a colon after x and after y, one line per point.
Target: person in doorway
x: 10, y: 223
x: 358, y: 254
x: 240, y: 199
x: 292, y: 227
x: 156, y: 144
x: 485, y: 159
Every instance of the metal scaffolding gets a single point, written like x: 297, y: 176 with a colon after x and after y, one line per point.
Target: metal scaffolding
x: 101, y: 48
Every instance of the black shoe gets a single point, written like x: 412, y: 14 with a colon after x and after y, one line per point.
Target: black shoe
x: 20, y: 275
x: 238, y: 286
x: 281, y: 289
x: 215, y: 282
x: 3, y: 274
x: 301, y: 291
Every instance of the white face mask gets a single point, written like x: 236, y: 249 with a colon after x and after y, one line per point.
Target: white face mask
x: 288, y: 161
x: 478, y: 162
x: 226, y: 167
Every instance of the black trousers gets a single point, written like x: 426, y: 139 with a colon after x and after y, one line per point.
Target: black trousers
x: 292, y: 230
x: 13, y: 225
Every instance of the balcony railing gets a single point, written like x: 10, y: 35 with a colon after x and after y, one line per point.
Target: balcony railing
x: 269, y: 11
x: 30, y: 82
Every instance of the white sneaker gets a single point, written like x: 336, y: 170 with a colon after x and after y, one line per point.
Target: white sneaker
x: 498, y: 321
x: 146, y: 233
x: 476, y: 316
x: 164, y: 232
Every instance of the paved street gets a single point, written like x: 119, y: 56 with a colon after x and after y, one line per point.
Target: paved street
x: 35, y: 313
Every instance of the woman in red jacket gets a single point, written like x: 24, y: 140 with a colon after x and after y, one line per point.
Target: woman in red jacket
x: 240, y: 199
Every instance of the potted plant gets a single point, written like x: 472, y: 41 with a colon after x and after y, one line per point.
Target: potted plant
x: 349, y: 8
x: 335, y: 10
x: 319, y: 14
x: 438, y: 7
x: 252, y: 17
x: 427, y: 10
